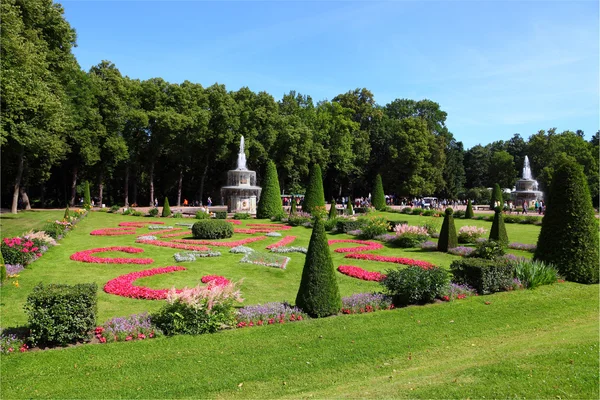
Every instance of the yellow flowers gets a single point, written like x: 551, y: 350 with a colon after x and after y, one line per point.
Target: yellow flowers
x: 16, y: 283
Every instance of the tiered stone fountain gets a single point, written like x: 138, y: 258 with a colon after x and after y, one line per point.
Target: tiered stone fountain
x: 241, y: 193
x: 526, y: 189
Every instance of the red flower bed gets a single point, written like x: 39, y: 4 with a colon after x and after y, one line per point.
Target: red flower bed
x: 86, y: 256
x: 234, y: 221
x: 176, y: 234
x: 283, y: 242
x: 397, y: 260
x: 222, y: 244
x: 358, y: 272
x: 172, y: 245
x: 123, y: 285
x: 140, y: 224
x: 163, y: 231
x: 113, y: 231
x: 367, y: 246
x: 250, y: 231
x: 216, y: 280
x: 272, y: 227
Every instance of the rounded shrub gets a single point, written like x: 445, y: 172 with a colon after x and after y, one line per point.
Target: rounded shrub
x: 378, y: 194
x: 332, y: 210
x: 569, y: 235
x: 498, y: 231
x: 166, y: 211
x: 212, y: 229
x: 469, y: 213
x: 448, y: 238
x: 269, y: 204
x: 409, y: 240
x: 489, y: 250
x: 202, y: 215
x: 314, y: 196
x: 415, y: 285
x: 318, y: 295
x: 153, y: 212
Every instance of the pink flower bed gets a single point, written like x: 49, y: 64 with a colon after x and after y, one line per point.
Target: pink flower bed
x: 86, y: 256
x: 176, y: 234
x: 283, y: 242
x: 216, y: 280
x: 164, y: 231
x: 140, y: 224
x: 271, y: 227
x: 251, y: 231
x: 358, y: 272
x: 113, y: 231
x: 123, y: 285
x: 366, y: 245
x: 397, y: 260
x: 234, y: 221
x: 222, y: 244
x: 172, y: 245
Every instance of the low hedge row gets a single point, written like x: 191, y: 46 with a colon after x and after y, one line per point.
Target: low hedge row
x: 485, y: 276
x: 212, y: 229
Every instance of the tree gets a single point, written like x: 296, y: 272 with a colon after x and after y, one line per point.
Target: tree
x: 318, y: 294
x: 569, y: 235
x: 498, y: 230
x: 469, y: 213
x: 378, y: 195
x: 332, y: 210
x: 502, y: 169
x: 477, y: 165
x: 269, y: 204
x: 166, y: 211
x: 314, y: 196
x: 496, y: 199
x: 87, y: 199
x: 448, y: 238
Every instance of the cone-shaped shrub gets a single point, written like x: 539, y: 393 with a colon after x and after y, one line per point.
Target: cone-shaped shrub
x: 378, y: 194
x: 269, y: 204
x: 569, y: 235
x: 332, y: 210
x: 314, y: 192
x: 67, y: 215
x: 496, y: 197
x: 349, y: 208
x: 448, y: 238
x: 318, y: 294
x: 498, y: 231
x: 293, y: 206
x: 469, y: 213
x: 87, y: 199
x: 166, y: 212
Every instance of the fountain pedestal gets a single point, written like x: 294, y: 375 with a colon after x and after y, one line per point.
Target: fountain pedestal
x: 526, y: 188
x: 241, y: 193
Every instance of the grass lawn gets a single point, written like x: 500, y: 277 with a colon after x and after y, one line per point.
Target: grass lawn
x: 12, y: 225
x: 540, y: 343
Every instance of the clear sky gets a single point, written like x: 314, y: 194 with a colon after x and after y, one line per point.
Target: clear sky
x: 496, y: 67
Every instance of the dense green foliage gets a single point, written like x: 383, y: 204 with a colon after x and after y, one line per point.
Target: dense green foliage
x: 241, y: 215
x: 347, y: 225
x: 408, y: 240
x: 318, y: 294
x: 496, y: 200
x: 269, y: 204
x: 532, y: 273
x: 569, y: 235
x: 489, y: 250
x: 221, y: 214
x: 332, y: 210
x: 378, y: 196
x: 314, y: 196
x: 415, y: 285
x: 485, y: 276
x: 202, y: 215
x: 448, y: 238
x: 166, y: 211
x: 469, y: 213
x: 373, y: 227
x: 2, y: 269
x: 212, y: 229
x: 498, y: 230
x: 87, y: 201
x: 153, y: 212
x: 61, y: 314
x: 294, y: 206
x: 349, y: 208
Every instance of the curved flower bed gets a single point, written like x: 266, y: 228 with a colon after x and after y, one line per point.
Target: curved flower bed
x: 397, y: 260
x: 172, y: 245
x: 283, y: 242
x: 86, y: 256
x: 217, y: 280
x: 140, y: 224
x: 250, y: 231
x: 234, y: 221
x: 176, y: 234
x: 113, y: 231
x: 271, y: 227
x: 222, y: 244
x: 123, y: 285
x: 358, y: 272
x: 366, y: 245
x: 164, y: 231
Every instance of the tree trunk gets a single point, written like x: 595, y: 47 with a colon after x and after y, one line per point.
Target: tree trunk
x: 15, y: 201
x: 100, y: 189
x: 151, y: 177
x: 24, y: 198
x: 73, y: 186
x: 127, y: 186
x: 179, y: 184
x: 202, y: 181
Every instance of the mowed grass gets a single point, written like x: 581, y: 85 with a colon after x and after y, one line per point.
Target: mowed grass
x: 12, y: 225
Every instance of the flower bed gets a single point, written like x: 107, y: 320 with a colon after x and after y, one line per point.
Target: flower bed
x: 397, y: 260
x: 137, y: 224
x: 194, y: 255
x: 266, y: 259
x: 234, y: 221
x: 290, y: 249
x: 86, y: 256
x: 366, y: 302
x: 458, y: 292
x: 113, y: 231
x: 358, y: 272
x: 461, y: 251
x: 268, y: 314
x: 164, y: 231
x: 241, y: 250
x: 522, y: 246
x: 222, y: 244
x: 283, y: 242
x: 156, y: 227
x: 176, y: 234
x: 123, y: 285
x: 271, y: 227
x: 172, y: 245
x: 134, y: 327
x: 366, y: 245
x: 217, y: 280
x: 252, y: 231
x: 273, y: 234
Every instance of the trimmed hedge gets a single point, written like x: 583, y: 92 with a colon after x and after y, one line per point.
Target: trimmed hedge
x: 415, y: 285
x: 346, y: 225
x: 319, y: 295
x: 221, y: 214
x: 269, y: 204
x: 166, y: 211
x: 448, y: 238
x: 314, y: 196
x: 349, y: 208
x: 241, y: 215
x: 498, y: 231
x: 469, y: 213
x: 202, y: 215
x: 378, y: 194
x: 212, y: 229
x: 569, y: 235
x: 485, y: 276
x: 3, y: 275
x: 61, y: 314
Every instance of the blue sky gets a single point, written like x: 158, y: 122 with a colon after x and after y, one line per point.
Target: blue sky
x: 496, y: 67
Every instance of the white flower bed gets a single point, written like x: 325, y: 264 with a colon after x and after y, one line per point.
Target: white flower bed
x: 241, y: 250
x: 147, y: 237
x: 184, y: 224
x: 289, y: 249
x: 194, y: 255
x: 273, y: 234
x: 159, y: 227
x: 266, y: 259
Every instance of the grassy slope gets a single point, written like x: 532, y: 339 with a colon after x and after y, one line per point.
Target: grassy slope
x: 12, y: 225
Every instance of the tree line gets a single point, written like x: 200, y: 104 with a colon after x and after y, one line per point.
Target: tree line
x: 135, y: 140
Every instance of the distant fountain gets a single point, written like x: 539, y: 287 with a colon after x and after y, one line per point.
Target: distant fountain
x: 526, y: 189
x: 241, y: 193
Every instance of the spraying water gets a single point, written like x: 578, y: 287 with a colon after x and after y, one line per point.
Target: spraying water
x: 527, y: 169
x: 241, y: 162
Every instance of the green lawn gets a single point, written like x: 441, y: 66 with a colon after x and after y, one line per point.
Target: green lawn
x: 12, y: 225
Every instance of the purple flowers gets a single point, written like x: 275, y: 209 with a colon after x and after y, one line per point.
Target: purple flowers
x: 267, y: 311
x: 13, y: 269
x: 364, y: 301
x: 522, y: 246
x: 461, y: 251
x: 429, y: 246
x: 134, y: 326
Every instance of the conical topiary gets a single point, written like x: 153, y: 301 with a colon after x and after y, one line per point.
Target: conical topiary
x: 332, y: 210
x: 498, y: 231
x: 269, y: 204
x: 87, y: 199
x: 448, y: 238
x: 314, y: 192
x: 569, y: 235
x: 469, y: 213
x: 378, y: 194
x: 318, y: 294
x: 293, y: 207
x: 496, y: 199
x: 166, y: 211
x: 67, y: 216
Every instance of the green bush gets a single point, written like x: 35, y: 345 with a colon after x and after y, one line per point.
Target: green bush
x: 128, y: 211
x: 531, y: 220
x: 221, y: 215
x: 346, y: 225
x: 153, y: 212
x: 212, y: 229
x: 415, y: 285
x: 485, y: 276
x: 298, y: 219
x: 448, y: 238
x: 178, y: 215
x: 241, y: 215
x: 2, y: 269
x: 294, y: 206
x: 497, y: 200
x: 374, y: 226
x: 469, y: 213
x: 13, y: 253
x: 115, y: 208
x: 269, y: 204
x: 498, y: 230
x: 349, y: 208
x: 166, y: 211
x: 314, y: 196
x: 533, y: 273
x: 489, y: 250
x: 406, y: 210
x: 202, y: 215
x: 428, y: 213
x: 569, y: 235
x: 332, y: 210
x: 53, y: 230
x: 136, y: 213
x: 459, y: 214
x: 378, y: 194
x: 331, y: 223
x: 61, y: 314
x: 318, y: 294
x: 409, y: 240
x: 416, y: 211
x: 87, y: 199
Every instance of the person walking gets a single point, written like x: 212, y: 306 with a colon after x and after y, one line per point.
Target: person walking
x: 209, y: 201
